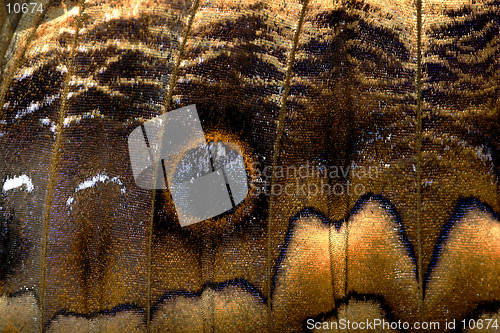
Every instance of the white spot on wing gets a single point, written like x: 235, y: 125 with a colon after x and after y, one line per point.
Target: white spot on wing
x: 12, y: 183
x: 90, y: 182
x: 34, y: 106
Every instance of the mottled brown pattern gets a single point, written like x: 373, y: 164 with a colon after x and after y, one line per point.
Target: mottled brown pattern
x: 408, y: 89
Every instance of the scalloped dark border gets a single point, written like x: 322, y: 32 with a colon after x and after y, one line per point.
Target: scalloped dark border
x: 463, y: 206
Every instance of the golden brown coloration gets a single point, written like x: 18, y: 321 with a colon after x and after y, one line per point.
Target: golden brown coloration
x: 378, y: 118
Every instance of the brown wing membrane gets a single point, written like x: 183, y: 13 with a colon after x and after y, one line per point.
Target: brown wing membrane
x: 369, y: 132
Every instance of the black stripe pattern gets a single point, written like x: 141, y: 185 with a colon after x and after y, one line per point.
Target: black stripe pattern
x: 379, y: 120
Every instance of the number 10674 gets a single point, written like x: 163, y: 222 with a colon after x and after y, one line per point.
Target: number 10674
x: 24, y: 8
x: 480, y: 324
